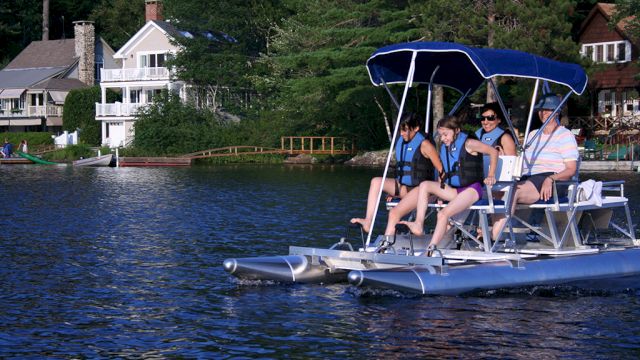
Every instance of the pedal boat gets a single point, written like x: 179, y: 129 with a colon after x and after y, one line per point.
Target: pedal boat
x: 577, y: 243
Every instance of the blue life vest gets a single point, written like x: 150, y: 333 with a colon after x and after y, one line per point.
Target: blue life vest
x: 461, y: 168
x: 491, y: 138
x: 412, y: 167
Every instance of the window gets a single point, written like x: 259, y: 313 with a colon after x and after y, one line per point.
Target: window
x: 609, y: 52
x: 599, y: 54
x: 99, y: 67
x: 622, y: 52
x: 153, y: 60
x: 152, y: 93
x: 134, y: 96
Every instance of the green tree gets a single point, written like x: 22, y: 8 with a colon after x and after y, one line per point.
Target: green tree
x: 315, y: 67
x: 169, y: 127
x: 79, y: 113
x: 20, y: 24
x: 118, y: 20
x: 628, y: 13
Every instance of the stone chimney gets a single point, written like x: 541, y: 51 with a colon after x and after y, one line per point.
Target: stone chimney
x: 153, y: 10
x: 85, y: 41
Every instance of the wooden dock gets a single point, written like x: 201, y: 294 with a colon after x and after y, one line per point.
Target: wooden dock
x: 154, y: 161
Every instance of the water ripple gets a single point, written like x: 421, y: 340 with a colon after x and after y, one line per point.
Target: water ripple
x: 126, y: 263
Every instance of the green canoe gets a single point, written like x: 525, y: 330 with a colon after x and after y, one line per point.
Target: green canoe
x: 35, y: 159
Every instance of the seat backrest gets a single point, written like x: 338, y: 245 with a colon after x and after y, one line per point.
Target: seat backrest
x: 505, y: 168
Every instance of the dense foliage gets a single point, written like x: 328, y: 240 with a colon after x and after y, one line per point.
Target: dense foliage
x: 169, y: 127
x: 301, y: 62
x: 79, y: 113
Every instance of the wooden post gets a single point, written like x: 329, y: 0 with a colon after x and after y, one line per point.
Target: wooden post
x: 282, y: 143
x: 291, y: 145
x: 332, y: 143
x: 311, y: 144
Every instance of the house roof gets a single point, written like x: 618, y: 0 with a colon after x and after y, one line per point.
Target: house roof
x: 59, y: 84
x: 608, y: 11
x: 172, y: 33
x: 23, y: 78
x: 166, y: 28
x: 45, y: 54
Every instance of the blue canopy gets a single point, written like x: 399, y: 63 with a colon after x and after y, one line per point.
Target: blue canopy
x: 465, y: 68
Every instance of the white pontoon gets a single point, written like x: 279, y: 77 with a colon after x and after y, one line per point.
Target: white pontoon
x: 578, y: 241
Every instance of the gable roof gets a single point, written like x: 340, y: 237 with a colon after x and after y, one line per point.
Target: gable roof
x: 59, y: 84
x: 166, y: 28
x: 23, y: 78
x: 608, y: 11
x: 45, y: 54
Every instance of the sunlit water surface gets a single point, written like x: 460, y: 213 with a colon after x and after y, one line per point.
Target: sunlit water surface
x: 127, y: 262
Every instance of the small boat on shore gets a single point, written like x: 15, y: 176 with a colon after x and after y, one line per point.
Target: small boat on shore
x: 102, y: 160
x: 36, y: 159
x: 574, y: 240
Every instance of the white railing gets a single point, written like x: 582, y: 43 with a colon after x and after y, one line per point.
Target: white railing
x: 45, y: 110
x: 117, y: 109
x: 49, y: 110
x: 159, y: 73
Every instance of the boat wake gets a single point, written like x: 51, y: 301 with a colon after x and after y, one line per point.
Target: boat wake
x: 369, y: 292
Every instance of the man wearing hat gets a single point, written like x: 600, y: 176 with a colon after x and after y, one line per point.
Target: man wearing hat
x: 552, y: 156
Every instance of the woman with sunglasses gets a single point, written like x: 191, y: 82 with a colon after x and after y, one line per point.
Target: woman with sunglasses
x: 491, y: 133
x: 461, y: 182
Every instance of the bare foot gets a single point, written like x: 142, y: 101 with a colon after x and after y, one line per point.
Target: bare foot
x: 416, y: 228
x: 366, y: 224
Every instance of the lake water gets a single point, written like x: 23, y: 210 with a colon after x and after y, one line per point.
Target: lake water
x: 105, y: 262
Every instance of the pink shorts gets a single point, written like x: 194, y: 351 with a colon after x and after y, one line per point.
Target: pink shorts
x: 477, y: 186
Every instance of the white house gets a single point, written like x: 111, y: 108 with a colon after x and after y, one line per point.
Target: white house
x: 143, y: 74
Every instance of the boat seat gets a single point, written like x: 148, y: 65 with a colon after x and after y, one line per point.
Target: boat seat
x: 487, y: 205
x: 569, y: 218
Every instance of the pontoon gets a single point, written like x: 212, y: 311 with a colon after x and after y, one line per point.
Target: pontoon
x: 578, y: 239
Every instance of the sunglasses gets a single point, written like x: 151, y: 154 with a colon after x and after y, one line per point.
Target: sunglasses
x: 490, y: 118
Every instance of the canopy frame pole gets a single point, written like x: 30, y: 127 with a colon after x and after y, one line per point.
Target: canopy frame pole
x: 507, y: 117
x: 459, y: 102
x: 427, y: 117
x: 393, y: 98
x: 530, y: 117
x: 551, y: 117
x: 407, y: 86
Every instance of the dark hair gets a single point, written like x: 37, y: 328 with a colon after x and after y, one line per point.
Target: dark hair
x: 410, y: 121
x: 495, y: 107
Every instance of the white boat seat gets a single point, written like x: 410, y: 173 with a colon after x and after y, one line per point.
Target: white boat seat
x: 563, y: 215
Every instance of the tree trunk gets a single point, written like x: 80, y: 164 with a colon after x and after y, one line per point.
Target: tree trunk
x: 491, y: 19
x: 437, y: 106
x: 45, y: 20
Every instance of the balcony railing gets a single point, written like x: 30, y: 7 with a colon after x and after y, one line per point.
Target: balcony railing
x: 48, y: 110
x: 135, y: 74
x: 117, y: 109
x: 30, y: 111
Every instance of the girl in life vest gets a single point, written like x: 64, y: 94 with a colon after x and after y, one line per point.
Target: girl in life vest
x: 416, y: 159
x: 461, y: 182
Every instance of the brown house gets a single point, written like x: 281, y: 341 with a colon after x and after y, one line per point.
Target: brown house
x: 614, y: 86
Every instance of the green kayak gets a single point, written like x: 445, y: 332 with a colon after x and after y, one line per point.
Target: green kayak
x: 35, y: 159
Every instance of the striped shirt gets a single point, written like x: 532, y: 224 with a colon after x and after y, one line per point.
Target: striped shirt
x: 548, y: 153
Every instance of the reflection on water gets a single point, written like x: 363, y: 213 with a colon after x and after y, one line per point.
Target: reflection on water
x: 127, y: 263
